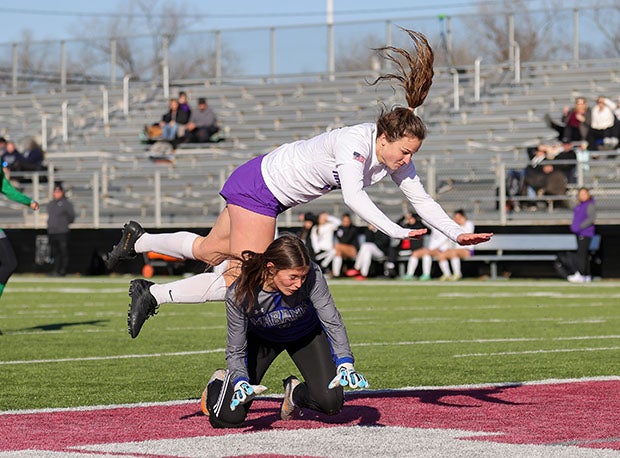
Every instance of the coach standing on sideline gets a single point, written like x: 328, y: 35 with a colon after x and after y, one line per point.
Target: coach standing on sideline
x: 60, y: 214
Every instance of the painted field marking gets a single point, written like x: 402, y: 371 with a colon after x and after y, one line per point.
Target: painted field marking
x: 538, y: 419
x: 368, y: 344
x: 531, y: 352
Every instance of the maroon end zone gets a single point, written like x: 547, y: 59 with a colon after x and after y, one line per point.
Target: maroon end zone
x: 583, y: 413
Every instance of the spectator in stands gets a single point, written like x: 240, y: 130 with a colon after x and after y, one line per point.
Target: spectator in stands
x: 547, y: 174
x: 451, y: 258
x: 173, y: 122
x: 8, y: 260
x: 11, y: 157
x: 575, y: 122
x: 202, y: 123
x: 349, y: 159
x: 437, y: 243
x: 584, y: 215
x: 402, y: 247
x: 60, y: 214
x: 322, y: 239
x: 602, y: 133
x: 184, y: 105
x: 375, y: 246
x: 347, y: 244
x: 32, y: 158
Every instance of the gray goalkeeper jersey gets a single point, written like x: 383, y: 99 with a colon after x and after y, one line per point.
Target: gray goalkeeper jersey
x: 279, y: 318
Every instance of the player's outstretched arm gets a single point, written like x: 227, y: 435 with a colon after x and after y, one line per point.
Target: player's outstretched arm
x: 474, y: 239
x: 417, y: 233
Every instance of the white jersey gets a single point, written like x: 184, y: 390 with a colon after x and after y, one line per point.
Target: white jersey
x: 346, y: 159
x: 322, y: 235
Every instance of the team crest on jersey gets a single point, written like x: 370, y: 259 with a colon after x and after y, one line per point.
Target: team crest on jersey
x: 358, y: 157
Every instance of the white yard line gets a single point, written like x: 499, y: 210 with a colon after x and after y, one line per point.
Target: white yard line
x: 369, y: 344
x: 473, y: 386
x: 533, y: 352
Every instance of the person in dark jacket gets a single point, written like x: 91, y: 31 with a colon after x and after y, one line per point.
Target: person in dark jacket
x: 376, y: 245
x: 347, y: 244
x: 60, y: 215
x: 32, y: 158
x: 173, y: 121
x: 402, y: 247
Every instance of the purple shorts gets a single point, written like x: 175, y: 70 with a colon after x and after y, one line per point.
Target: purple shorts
x: 246, y: 188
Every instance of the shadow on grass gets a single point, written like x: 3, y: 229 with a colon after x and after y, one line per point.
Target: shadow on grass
x: 60, y: 326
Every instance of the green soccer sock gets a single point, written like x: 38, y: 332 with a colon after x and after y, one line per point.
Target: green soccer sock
x: 1, y: 289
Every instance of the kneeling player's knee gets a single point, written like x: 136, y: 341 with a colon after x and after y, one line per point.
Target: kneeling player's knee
x: 220, y: 423
x: 332, y: 404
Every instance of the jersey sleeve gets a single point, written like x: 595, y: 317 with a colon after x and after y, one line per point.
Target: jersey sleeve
x: 425, y: 206
x: 330, y: 318
x: 236, y: 340
x: 355, y: 197
x: 11, y: 193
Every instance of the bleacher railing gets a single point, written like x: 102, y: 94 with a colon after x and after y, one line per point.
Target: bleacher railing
x: 323, y: 48
x: 110, y: 196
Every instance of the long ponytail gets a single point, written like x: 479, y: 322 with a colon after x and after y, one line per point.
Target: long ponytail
x: 415, y: 75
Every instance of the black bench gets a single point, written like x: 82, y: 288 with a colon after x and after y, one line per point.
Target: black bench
x: 518, y: 247
x: 525, y: 247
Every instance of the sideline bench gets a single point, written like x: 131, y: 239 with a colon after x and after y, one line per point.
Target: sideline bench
x: 519, y: 247
x: 522, y: 247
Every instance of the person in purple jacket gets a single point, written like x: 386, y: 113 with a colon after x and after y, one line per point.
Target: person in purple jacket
x: 281, y: 302
x: 582, y: 226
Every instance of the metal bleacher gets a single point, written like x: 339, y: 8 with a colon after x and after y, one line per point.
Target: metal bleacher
x: 108, y: 163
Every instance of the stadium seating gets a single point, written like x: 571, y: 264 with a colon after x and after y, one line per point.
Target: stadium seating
x: 458, y: 162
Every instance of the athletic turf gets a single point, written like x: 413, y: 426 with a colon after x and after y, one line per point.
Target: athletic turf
x: 64, y: 341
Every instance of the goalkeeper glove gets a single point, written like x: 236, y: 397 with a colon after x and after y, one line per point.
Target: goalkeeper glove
x: 244, y: 392
x: 347, y: 376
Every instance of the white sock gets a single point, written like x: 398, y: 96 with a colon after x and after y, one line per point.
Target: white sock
x: 206, y: 287
x: 337, y: 266
x: 176, y: 244
x: 427, y: 263
x: 412, y: 265
x: 445, y: 267
x: 456, y: 266
x: 327, y: 260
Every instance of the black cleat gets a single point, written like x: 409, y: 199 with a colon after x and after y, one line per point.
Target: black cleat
x: 132, y: 231
x: 143, y: 305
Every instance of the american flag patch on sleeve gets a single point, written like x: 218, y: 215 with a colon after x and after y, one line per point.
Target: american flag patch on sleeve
x: 358, y: 157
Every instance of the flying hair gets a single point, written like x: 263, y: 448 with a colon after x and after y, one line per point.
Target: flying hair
x: 415, y: 75
x: 415, y: 71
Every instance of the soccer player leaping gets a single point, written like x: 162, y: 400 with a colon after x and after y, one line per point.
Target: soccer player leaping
x: 350, y: 158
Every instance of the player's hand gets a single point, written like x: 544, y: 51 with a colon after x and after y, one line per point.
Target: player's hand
x: 34, y: 205
x: 244, y: 392
x: 417, y: 233
x: 473, y: 239
x: 347, y: 376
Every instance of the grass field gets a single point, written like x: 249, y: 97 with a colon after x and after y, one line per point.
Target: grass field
x: 64, y: 342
